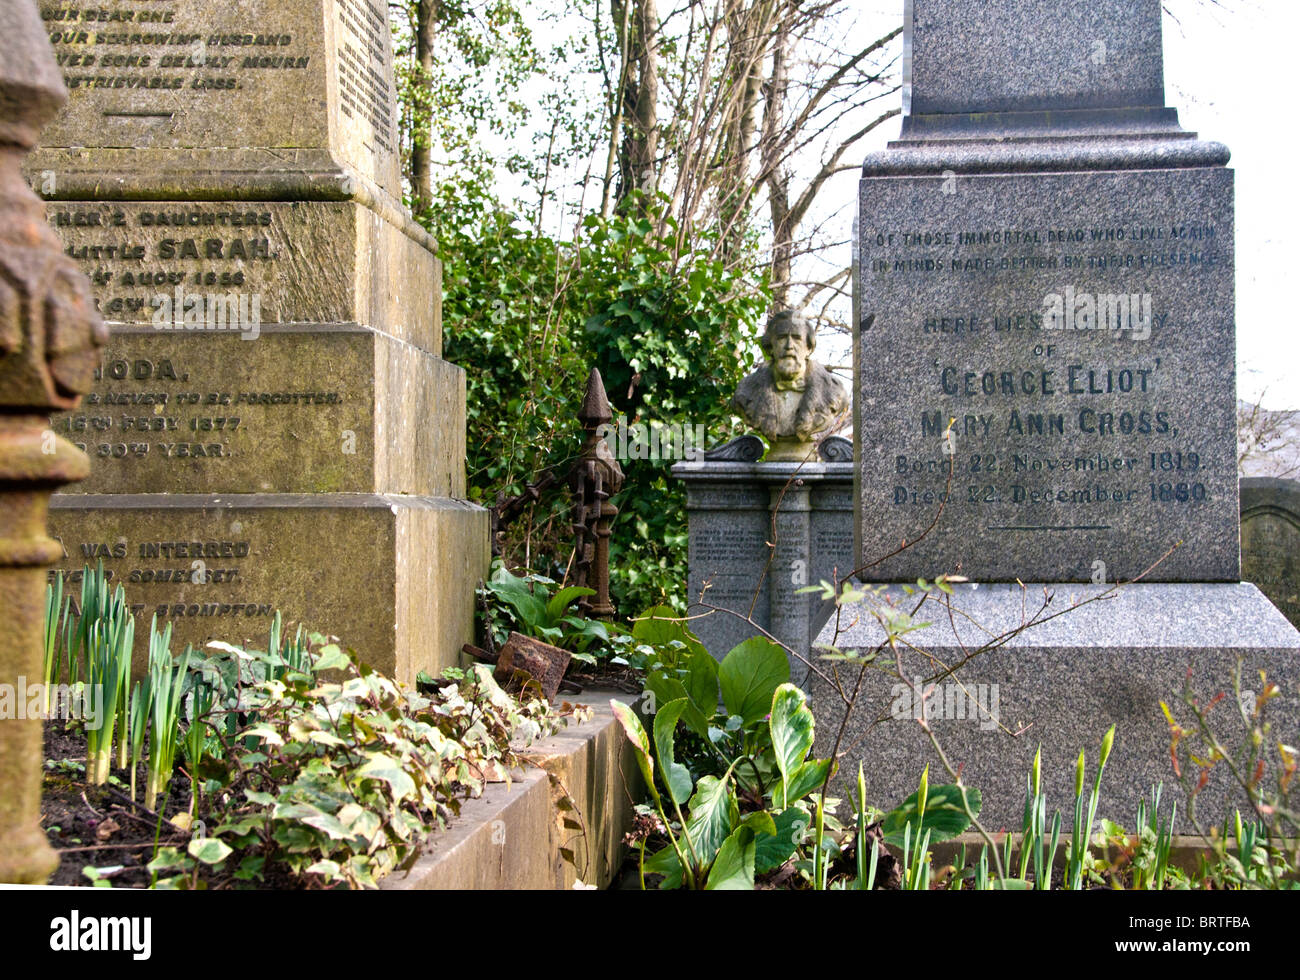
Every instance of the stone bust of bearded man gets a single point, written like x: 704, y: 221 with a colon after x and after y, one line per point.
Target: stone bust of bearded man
x: 791, y: 399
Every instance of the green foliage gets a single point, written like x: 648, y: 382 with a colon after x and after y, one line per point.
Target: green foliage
x: 943, y: 817
x: 336, y: 783
x: 162, y: 695
x: 744, y: 777
x: 104, y: 635
x: 483, y: 54
x: 305, y: 781
x: 528, y: 606
x: 671, y: 331
x: 1230, y: 737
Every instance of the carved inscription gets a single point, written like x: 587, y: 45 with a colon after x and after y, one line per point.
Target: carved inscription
x: 155, y: 47
x: 365, y: 93
x: 251, y: 80
x: 140, y: 259
x: 833, y: 547
x: 730, y: 557
x: 212, y: 414
x: 1060, y: 382
x: 155, y: 571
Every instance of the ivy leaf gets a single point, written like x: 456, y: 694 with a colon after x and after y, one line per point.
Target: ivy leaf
x: 209, y: 850
x: 385, y: 767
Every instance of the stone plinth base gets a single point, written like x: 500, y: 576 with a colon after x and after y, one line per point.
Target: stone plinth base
x: 734, y: 510
x: 393, y: 575
x: 1061, y: 685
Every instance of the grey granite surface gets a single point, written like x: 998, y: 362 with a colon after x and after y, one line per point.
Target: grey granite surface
x: 759, y: 532
x: 1080, y: 451
x: 1008, y: 55
x: 1060, y: 685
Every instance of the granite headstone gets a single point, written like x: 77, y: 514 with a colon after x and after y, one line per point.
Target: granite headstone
x: 1045, y: 361
x: 1051, y: 318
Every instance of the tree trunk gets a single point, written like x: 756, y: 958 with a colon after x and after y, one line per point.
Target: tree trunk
x: 638, y: 153
x: 747, y: 32
x: 421, y: 150
x: 777, y: 174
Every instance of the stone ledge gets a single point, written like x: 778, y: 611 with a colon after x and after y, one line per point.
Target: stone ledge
x: 510, y: 838
x: 1059, y: 685
x: 1185, y: 850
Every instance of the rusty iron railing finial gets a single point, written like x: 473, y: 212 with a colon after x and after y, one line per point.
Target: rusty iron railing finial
x: 595, y: 479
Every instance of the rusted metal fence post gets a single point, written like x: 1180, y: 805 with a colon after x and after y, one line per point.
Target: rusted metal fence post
x: 596, y: 477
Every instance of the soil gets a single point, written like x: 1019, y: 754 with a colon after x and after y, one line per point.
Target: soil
x: 604, y: 676
x: 99, y: 826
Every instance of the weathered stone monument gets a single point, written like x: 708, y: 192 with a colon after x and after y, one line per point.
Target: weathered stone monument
x: 272, y: 425
x: 49, y: 340
x: 1046, y: 373
x: 1270, y: 540
x: 763, y: 527
x: 759, y: 532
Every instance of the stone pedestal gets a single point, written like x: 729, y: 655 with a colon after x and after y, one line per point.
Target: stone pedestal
x: 1060, y: 685
x: 734, y: 511
x: 1045, y: 372
x: 272, y: 424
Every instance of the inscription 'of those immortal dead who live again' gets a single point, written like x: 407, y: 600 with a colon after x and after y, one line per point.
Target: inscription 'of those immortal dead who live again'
x: 1062, y: 388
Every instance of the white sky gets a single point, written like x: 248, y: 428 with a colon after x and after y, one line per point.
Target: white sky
x: 1228, y: 69
x: 1229, y: 72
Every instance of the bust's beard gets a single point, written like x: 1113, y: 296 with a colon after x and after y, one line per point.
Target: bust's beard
x: 789, y: 381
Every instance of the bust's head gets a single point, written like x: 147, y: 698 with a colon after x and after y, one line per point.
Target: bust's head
x: 788, y: 342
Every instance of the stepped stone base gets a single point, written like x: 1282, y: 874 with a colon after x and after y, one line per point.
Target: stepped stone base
x: 394, y: 575
x: 1061, y: 685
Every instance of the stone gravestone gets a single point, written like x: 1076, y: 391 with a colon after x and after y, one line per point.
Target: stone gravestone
x: 1046, y: 312
x: 1270, y: 540
x: 736, y: 511
x: 272, y: 425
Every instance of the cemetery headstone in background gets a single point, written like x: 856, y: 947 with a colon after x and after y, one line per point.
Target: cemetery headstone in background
x: 1270, y: 540
x: 1046, y: 306
x: 272, y: 425
x: 735, y: 509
